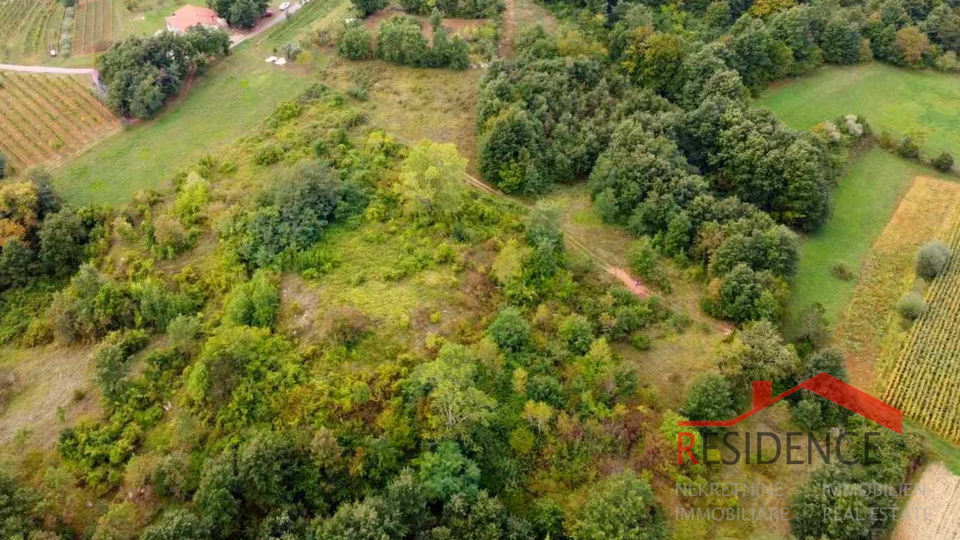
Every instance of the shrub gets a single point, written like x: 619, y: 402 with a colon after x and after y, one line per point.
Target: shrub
x: 842, y: 272
x: 355, y: 42
x: 176, y: 524
x: 911, y: 306
x: 400, y: 41
x: 932, y: 259
x: 183, y: 330
x: 367, y: 7
x: 267, y: 154
x: 645, y: 262
x: 943, y: 162
x: 577, y: 333
x: 256, y: 302
x: 909, y: 148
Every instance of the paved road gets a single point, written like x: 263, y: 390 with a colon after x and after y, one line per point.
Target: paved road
x: 265, y: 24
x: 48, y: 69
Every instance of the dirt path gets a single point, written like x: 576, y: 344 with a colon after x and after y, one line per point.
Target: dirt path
x: 636, y: 286
x: 509, y: 28
x: 47, y: 69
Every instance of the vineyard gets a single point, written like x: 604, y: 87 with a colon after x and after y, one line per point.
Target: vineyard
x: 94, y: 27
x: 925, y: 383
x: 47, y: 117
x: 29, y: 28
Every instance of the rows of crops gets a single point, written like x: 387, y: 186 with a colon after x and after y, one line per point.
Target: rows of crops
x: 46, y: 117
x: 925, y: 384
x: 28, y: 28
x: 94, y: 27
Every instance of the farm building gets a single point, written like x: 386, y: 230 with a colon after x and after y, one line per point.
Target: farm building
x: 190, y: 16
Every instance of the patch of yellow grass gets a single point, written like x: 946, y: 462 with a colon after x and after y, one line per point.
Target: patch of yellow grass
x: 869, y: 329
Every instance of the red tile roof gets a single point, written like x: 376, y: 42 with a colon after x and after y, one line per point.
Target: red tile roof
x: 189, y: 16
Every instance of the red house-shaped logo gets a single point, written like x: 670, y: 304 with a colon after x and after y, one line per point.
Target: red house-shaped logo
x: 823, y: 385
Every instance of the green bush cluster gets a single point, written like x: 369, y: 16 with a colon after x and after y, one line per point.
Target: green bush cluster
x: 401, y: 41
x: 141, y: 74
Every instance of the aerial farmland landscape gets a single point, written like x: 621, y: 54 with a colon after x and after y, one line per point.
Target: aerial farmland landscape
x: 479, y: 270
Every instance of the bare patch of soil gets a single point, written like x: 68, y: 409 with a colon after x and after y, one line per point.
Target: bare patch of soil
x: 931, y: 513
x: 49, y: 379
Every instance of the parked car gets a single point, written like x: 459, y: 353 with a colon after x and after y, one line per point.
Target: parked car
x: 284, y: 6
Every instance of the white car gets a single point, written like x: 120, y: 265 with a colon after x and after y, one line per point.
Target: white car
x: 284, y: 6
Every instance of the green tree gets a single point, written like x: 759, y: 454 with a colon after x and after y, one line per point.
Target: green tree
x: 840, y: 42
x: 446, y: 472
x: 943, y: 162
x: 576, y: 331
x: 63, y: 239
x: 758, y: 353
x: 368, y: 7
x: 510, y: 330
x: 456, y: 407
x: 432, y: 185
x: 176, y: 524
x: 745, y: 295
x: 710, y: 397
x: 622, y: 508
x: 355, y: 42
x: 932, y: 259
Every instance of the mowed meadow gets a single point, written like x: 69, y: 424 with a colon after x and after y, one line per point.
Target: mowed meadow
x: 896, y: 100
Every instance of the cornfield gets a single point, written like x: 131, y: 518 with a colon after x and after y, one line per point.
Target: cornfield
x: 925, y: 383
x: 47, y: 117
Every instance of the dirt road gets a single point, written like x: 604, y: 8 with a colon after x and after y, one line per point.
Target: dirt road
x: 48, y: 69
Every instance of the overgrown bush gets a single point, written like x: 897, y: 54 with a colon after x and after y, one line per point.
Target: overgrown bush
x: 911, y: 306
x: 256, y: 302
x: 932, y: 259
x: 943, y: 162
x: 355, y: 42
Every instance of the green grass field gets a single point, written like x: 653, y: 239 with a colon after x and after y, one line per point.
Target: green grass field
x: 233, y: 96
x: 892, y: 99
x: 861, y: 206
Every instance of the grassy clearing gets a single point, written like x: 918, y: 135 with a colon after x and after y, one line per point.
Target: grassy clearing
x: 413, y: 103
x: 925, y: 212
x: 235, y: 95
x: 892, y: 99
x: 861, y: 206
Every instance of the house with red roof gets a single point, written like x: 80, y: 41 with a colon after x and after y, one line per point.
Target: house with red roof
x: 190, y: 16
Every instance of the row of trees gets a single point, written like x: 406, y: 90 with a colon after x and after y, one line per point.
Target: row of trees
x: 476, y: 9
x: 141, y: 74
x: 401, y: 41
x: 239, y: 13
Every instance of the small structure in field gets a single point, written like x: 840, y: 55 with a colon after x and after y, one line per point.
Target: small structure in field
x: 190, y: 16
